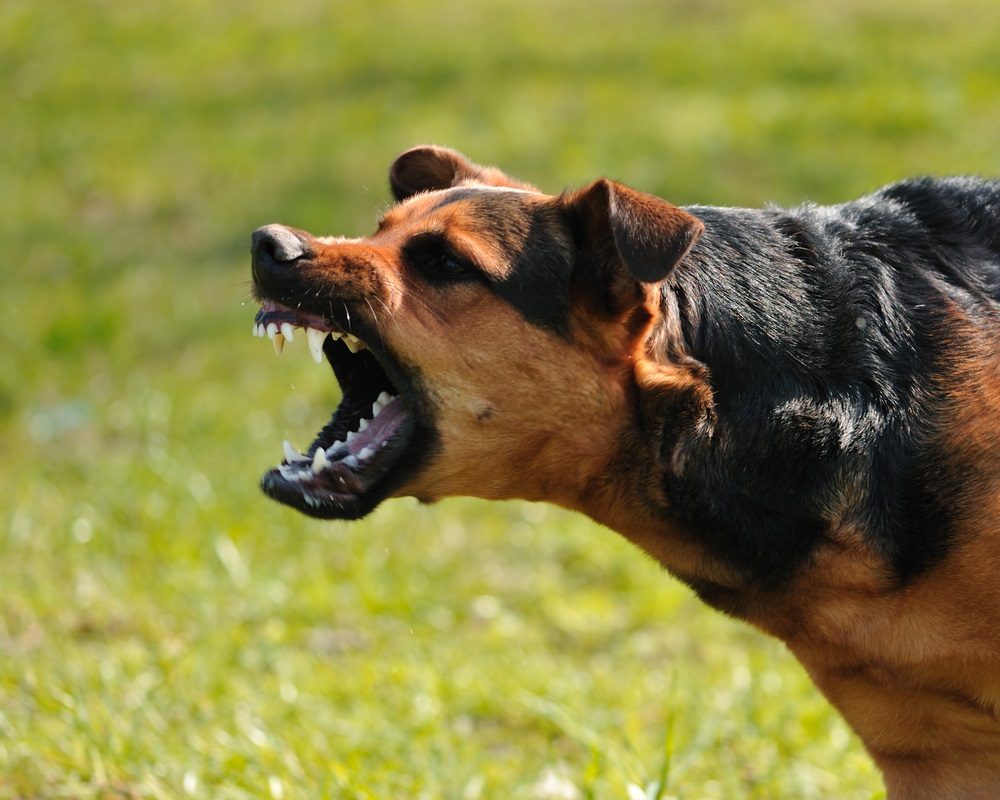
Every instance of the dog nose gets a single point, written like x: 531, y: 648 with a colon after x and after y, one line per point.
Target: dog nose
x: 278, y: 243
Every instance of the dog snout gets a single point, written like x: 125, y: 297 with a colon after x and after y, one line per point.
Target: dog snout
x: 277, y: 243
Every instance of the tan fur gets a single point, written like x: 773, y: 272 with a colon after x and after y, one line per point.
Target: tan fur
x: 523, y: 412
x: 915, y: 671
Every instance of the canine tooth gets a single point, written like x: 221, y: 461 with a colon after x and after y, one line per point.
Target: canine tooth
x: 291, y: 454
x: 366, y: 452
x: 315, y: 339
x: 288, y: 331
x: 362, y: 425
x: 271, y: 330
x: 279, y: 343
x: 319, y: 459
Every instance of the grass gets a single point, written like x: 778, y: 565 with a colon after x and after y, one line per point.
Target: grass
x: 166, y: 632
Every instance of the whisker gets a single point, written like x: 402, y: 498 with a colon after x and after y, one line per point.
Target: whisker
x: 389, y: 311
x: 378, y: 325
x: 417, y: 298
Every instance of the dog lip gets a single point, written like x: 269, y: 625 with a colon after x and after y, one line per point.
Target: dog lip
x: 271, y: 311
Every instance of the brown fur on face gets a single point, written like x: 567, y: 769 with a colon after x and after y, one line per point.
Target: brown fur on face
x: 458, y: 336
x: 546, y: 347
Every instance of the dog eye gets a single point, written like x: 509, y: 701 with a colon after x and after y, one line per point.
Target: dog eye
x: 450, y: 266
x: 433, y: 256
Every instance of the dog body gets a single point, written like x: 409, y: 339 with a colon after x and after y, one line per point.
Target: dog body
x: 796, y: 412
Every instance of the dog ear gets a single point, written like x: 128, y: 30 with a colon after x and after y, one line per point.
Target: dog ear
x: 650, y: 235
x: 428, y: 167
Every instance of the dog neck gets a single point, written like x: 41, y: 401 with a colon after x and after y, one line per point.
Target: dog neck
x: 626, y: 497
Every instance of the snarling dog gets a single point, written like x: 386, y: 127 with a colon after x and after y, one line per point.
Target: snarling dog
x: 797, y: 412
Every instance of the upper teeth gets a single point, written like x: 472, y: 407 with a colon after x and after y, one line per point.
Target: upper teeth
x: 315, y: 339
x: 354, y: 344
x: 285, y: 332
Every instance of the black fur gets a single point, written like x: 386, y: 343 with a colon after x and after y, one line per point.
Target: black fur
x: 829, y: 337
x: 537, y: 280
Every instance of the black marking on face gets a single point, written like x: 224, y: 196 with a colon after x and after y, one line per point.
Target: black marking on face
x: 535, y: 278
x: 537, y: 285
x: 439, y: 262
x: 458, y: 195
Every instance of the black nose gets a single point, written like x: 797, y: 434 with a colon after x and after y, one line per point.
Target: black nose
x: 277, y: 243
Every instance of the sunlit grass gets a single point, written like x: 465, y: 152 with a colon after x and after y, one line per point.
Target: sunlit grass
x: 164, y: 630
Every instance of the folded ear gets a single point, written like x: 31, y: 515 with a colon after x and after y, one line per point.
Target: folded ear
x: 649, y: 235
x: 427, y: 168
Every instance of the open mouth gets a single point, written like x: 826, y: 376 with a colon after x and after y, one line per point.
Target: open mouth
x: 356, y: 460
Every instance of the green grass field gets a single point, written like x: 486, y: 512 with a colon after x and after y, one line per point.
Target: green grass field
x: 167, y: 632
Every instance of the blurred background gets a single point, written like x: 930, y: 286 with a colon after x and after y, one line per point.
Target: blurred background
x: 167, y: 632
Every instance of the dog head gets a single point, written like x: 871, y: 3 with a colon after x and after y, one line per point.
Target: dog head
x: 490, y: 340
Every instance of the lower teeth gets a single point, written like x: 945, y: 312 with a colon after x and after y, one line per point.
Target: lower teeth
x: 336, y: 450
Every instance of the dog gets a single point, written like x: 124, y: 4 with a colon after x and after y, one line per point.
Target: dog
x: 796, y: 412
